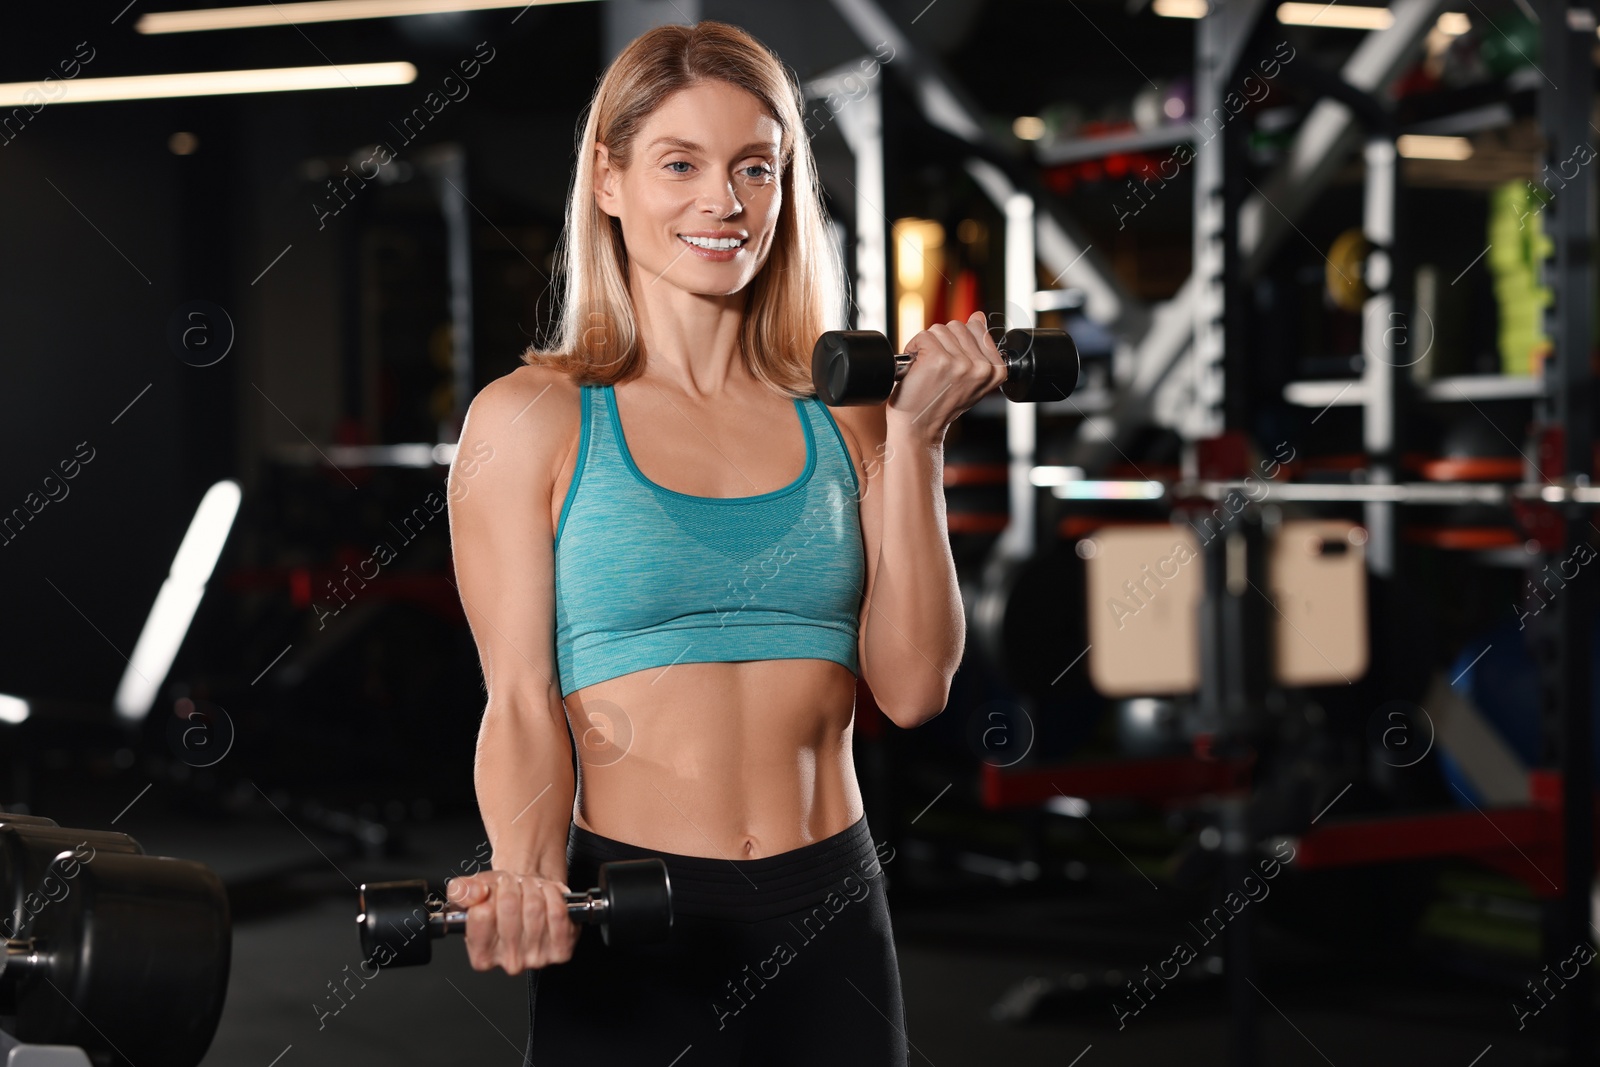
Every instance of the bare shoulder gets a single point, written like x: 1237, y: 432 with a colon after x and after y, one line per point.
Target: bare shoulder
x: 530, y: 415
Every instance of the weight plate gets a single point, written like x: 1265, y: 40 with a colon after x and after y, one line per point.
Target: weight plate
x: 1044, y: 365
x: 639, y: 895
x: 26, y: 851
x: 852, y: 367
x: 138, y: 953
x: 394, y: 923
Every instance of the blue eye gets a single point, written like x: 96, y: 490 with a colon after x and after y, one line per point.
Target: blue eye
x: 760, y: 171
x: 678, y: 163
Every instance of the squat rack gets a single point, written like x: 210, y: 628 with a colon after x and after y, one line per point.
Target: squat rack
x: 1187, y: 357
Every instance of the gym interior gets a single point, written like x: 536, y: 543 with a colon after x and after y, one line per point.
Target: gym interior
x: 1272, y: 742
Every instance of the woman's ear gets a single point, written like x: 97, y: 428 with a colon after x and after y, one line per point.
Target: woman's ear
x: 605, y: 181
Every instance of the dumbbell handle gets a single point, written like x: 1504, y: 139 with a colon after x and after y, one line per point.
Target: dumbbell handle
x: 21, y: 959
x: 902, y: 360
x: 586, y: 907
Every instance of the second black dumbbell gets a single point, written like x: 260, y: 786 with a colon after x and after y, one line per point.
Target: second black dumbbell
x: 631, y: 905
x: 861, y: 367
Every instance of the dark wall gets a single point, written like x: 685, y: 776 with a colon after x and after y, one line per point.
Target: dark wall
x: 108, y: 238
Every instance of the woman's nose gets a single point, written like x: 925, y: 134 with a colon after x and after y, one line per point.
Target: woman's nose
x: 722, y: 200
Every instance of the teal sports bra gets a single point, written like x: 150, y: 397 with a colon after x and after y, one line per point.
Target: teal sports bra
x: 649, y: 577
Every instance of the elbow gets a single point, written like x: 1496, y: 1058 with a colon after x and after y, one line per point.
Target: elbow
x: 910, y: 709
x: 913, y: 719
x: 524, y: 711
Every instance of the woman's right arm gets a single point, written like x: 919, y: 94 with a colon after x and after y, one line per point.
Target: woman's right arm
x: 517, y: 434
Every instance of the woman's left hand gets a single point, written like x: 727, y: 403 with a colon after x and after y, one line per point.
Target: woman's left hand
x: 956, y: 365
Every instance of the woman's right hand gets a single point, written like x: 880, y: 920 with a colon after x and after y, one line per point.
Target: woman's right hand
x: 515, y: 921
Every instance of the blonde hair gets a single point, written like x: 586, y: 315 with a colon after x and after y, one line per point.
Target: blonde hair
x: 795, y: 295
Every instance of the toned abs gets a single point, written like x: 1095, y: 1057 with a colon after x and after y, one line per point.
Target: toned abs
x: 728, y: 760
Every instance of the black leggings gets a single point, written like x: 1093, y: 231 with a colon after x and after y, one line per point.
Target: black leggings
x: 782, y: 960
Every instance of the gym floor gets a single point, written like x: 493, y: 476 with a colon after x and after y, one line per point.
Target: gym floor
x: 965, y: 947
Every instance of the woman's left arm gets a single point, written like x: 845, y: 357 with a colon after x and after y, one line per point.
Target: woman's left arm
x: 913, y: 625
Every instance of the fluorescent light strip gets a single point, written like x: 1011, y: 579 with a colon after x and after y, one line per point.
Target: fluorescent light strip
x: 177, y: 601
x: 1180, y: 9
x: 1335, y: 16
x: 1426, y: 146
x: 204, y: 83
x: 235, y: 18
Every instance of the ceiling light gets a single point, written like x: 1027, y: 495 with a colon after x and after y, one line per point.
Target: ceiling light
x: 1424, y: 146
x: 205, y: 83
x: 1453, y: 23
x: 234, y: 18
x: 1180, y: 9
x: 1335, y: 16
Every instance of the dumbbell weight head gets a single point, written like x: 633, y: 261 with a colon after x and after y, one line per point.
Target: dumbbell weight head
x: 26, y: 885
x: 395, y: 922
x: 132, y: 963
x: 638, y: 896
x: 853, y: 367
x: 26, y: 851
x: 1041, y: 365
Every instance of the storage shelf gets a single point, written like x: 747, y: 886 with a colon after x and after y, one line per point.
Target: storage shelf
x: 1343, y: 394
x: 1484, y: 387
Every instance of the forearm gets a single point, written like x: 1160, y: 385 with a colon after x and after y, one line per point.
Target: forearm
x: 525, y: 786
x: 915, y: 624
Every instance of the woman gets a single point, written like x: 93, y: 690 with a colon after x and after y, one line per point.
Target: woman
x: 640, y: 558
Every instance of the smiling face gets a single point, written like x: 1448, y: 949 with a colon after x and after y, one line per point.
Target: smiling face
x: 699, y: 199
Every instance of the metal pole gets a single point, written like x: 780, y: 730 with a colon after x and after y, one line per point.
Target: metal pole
x: 1567, y: 38
x: 861, y: 125
x: 1379, y: 337
x: 1021, y: 419
x: 447, y: 166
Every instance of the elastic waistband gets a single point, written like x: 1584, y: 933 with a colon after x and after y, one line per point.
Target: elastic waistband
x: 747, y: 890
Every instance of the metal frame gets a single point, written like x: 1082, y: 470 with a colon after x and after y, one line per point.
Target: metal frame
x: 1325, y: 139
x: 1060, y: 243
x: 1567, y: 32
x: 445, y: 166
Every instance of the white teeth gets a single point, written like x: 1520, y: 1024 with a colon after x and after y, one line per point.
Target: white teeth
x: 715, y: 243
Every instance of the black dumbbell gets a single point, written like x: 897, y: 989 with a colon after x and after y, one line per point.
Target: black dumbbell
x: 27, y: 886
x: 860, y: 366
x: 632, y: 905
x: 130, y: 962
